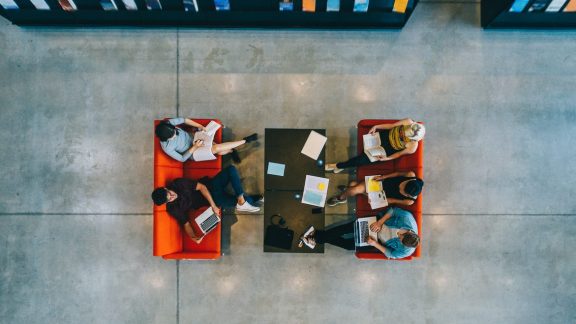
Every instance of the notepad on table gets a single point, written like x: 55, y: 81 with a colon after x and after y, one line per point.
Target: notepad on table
x: 314, y: 145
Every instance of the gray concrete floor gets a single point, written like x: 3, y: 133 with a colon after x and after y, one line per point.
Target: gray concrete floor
x: 76, y: 170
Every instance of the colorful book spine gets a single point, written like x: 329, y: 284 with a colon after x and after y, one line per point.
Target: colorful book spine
x: 333, y: 5
x: 153, y: 5
x: 360, y: 6
x: 400, y: 6
x: 222, y: 5
x: 108, y: 5
x: 40, y: 4
x: 130, y: 4
x: 519, y: 5
x: 9, y: 4
x: 538, y: 5
x: 555, y: 5
x: 570, y: 7
x: 67, y: 5
x: 190, y: 5
x: 309, y: 5
x: 286, y: 5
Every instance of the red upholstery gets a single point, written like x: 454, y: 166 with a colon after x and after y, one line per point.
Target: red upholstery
x: 411, y: 162
x: 169, y: 240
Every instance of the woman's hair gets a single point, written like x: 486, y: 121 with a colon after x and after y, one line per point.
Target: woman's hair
x: 159, y: 196
x: 416, y: 132
x: 165, y: 130
x: 411, y: 239
x: 414, y: 187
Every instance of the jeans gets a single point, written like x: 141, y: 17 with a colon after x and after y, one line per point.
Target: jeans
x: 334, y: 236
x: 217, y: 187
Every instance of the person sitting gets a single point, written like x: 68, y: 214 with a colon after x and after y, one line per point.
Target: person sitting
x: 397, y: 234
x: 400, y: 188
x: 397, y: 139
x: 184, y: 195
x: 177, y: 143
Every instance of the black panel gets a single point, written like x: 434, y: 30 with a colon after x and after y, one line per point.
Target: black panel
x: 254, y: 5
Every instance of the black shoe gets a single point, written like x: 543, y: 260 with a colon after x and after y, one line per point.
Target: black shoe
x: 251, y: 138
x: 235, y: 156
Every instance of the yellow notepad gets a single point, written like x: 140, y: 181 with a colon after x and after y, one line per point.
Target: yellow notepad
x: 400, y: 6
x: 309, y: 5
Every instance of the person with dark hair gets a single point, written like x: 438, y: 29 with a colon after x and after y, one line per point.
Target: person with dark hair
x: 177, y: 143
x: 401, y: 188
x: 397, y: 139
x: 396, y: 229
x: 184, y: 195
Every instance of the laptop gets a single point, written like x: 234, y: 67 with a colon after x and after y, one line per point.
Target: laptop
x: 207, y: 221
x: 362, y: 231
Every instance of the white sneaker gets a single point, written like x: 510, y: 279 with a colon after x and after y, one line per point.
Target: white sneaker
x: 332, y: 168
x: 246, y: 207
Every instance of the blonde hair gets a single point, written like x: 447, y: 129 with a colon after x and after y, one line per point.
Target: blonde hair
x: 416, y: 132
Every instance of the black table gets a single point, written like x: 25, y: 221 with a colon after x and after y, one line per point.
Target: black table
x: 284, y: 146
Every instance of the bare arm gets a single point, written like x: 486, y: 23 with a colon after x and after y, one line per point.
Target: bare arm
x: 405, y: 121
x: 377, y: 245
x: 395, y: 174
x: 206, y: 193
x: 405, y: 202
x: 377, y: 226
x: 192, y: 123
x: 190, y: 231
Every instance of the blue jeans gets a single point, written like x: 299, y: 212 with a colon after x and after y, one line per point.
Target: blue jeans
x: 217, y: 187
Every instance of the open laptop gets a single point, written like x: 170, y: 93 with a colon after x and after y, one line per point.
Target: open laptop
x: 362, y: 231
x: 207, y: 221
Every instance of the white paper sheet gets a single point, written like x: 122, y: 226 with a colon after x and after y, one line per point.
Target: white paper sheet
x: 315, y: 191
x: 314, y: 145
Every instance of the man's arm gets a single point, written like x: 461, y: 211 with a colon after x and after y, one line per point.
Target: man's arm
x: 190, y: 231
x: 405, y: 202
x: 395, y: 174
x: 206, y: 193
x: 192, y: 123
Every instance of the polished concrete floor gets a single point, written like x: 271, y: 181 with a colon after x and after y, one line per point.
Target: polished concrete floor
x: 76, y: 170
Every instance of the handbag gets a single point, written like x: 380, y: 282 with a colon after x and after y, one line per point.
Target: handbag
x: 278, y: 235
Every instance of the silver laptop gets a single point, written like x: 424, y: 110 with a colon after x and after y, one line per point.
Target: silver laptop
x: 362, y: 231
x: 207, y: 221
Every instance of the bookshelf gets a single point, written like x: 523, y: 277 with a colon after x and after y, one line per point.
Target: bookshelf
x: 495, y: 14
x: 242, y: 13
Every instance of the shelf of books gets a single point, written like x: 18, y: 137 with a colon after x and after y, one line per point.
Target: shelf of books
x: 212, y: 13
x: 529, y: 13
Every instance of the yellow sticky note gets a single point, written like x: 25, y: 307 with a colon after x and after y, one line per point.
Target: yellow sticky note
x: 373, y: 185
x: 321, y: 186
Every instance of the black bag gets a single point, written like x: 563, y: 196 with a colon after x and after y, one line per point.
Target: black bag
x: 277, y: 235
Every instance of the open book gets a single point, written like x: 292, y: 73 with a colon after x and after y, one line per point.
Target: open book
x: 375, y: 191
x: 373, y: 147
x: 204, y: 153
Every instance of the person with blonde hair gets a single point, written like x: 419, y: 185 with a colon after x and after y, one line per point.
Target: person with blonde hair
x: 398, y: 139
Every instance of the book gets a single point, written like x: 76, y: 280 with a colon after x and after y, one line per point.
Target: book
x: 315, y: 191
x: 375, y: 191
x: 286, y: 5
x: 538, y: 5
x: 40, y: 4
x: 333, y: 5
x: 204, y: 152
x: 373, y: 146
x: 67, y: 5
x: 190, y: 5
x: 222, y: 5
x: 519, y: 5
x: 108, y: 5
x: 400, y: 6
x: 130, y: 4
x: 360, y: 6
x: 570, y: 7
x: 555, y: 5
x: 309, y: 5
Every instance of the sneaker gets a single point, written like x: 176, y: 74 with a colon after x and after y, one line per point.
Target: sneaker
x: 246, y: 207
x: 333, y: 201
x: 333, y: 168
x: 258, y: 199
x: 235, y: 156
x: 251, y: 138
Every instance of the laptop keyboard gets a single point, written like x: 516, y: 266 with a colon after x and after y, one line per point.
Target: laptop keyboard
x: 364, y: 232
x: 209, y: 223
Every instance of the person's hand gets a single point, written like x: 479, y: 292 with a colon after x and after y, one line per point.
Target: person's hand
x: 198, y: 143
x: 217, y: 210
x: 202, y: 128
x: 371, y: 241
x: 373, y: 130
x: 198, y: 239
x: 375, y: 227
x: 382, y: 158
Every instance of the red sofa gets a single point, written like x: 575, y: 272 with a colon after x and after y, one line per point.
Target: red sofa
x: 169, y: 241
x: 412, y: 162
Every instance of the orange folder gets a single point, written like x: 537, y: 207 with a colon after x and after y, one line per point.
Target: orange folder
x: 400, y: 6
x: 309, y: 5
x: 571, y: 7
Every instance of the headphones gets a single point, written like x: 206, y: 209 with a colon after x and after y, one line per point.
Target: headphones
x: 281, y: 220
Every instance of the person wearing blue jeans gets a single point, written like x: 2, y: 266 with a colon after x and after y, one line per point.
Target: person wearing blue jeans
x: 184, y: 195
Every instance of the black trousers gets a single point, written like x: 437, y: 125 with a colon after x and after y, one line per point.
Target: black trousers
x: 354, y: 162
x: 334, y: 236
